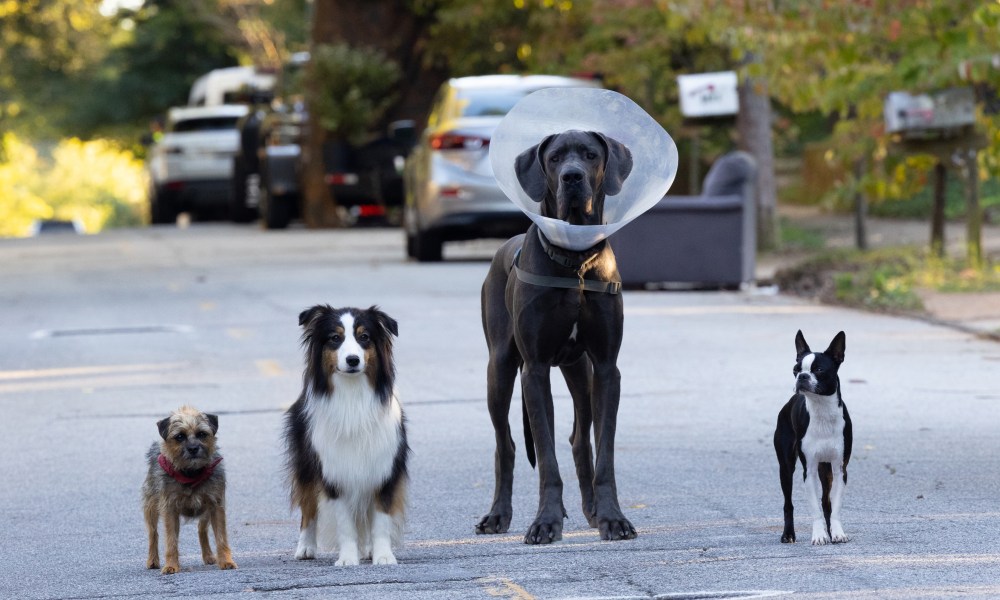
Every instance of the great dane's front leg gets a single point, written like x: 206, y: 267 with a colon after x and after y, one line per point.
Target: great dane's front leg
x: 577, y: 377
x: 607, y: 388
x: 538, y: 401
x: 501, y: 373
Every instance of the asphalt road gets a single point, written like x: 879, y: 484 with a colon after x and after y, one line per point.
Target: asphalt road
x: 102, y: 336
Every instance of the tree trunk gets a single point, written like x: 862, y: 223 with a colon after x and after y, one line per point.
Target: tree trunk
x: 937, y: 214
x: 754, y: 126
x: 319, y: 208
x: 393, y: 27
x: 974, y: 213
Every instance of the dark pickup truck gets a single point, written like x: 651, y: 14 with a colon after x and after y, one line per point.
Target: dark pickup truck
x: 366, y: 181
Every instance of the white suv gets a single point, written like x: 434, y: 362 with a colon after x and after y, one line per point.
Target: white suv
x: 191, y: 166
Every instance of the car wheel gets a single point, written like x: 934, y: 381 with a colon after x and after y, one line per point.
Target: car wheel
x: 427, y: 246
x: 239, y: 212
x: 275, y: 210
x: 162, y: 209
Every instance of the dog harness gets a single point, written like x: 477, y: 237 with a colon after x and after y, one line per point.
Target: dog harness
x: 183, y: 479
x: 584, y: 285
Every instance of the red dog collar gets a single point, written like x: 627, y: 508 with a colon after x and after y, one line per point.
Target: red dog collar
x: 183, y: 479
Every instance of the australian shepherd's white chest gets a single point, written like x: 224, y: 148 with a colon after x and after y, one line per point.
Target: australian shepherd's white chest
x: 346, y: 436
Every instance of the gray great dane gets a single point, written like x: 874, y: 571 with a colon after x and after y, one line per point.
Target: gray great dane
x: 544, y: 306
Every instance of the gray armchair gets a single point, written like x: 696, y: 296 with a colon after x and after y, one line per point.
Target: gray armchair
x: 706, y: 241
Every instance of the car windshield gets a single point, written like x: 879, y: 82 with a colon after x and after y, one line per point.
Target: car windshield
x: 205, y: 124
x: 490, y: 102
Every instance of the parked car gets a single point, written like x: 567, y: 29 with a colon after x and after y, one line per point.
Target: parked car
x: 191, y: 166
x: 451, y: 193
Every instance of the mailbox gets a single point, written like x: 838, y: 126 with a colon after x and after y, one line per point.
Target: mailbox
x: 708, y: 94
x: 943, y: 114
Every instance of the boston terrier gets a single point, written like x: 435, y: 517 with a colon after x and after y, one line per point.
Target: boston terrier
x: 814, y: 427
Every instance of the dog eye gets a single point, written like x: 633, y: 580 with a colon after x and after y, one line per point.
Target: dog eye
x: 554, y: 158
x: 818, y: 370
x: 335, y: 338
x: 364, y: 337
x: 180, y: 437
x: 201, y: 435
x: 591, y: 155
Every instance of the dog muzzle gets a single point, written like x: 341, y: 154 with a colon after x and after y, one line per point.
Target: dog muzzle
x: 554, y: 110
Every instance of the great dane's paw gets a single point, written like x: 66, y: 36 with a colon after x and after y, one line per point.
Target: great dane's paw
x: 616, y: 529
x: 544, y: 531
x: 788, y: 537
x: 493, y: 523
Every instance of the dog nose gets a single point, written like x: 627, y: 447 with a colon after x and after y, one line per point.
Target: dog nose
x: 353, y: 361
x: 193, y: 450
x: 572, y: 176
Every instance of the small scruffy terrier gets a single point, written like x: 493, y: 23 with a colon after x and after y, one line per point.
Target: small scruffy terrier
x: 185, y: 479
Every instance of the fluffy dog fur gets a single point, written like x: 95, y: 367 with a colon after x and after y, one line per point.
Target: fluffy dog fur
x: 185, y: 479
x: 346, y: 436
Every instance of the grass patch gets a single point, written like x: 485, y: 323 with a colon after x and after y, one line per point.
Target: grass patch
x: 920, y: 205
x: 883, y: 280
x: 795, y: 237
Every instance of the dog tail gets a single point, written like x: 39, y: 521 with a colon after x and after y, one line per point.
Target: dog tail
x: 529, y: 441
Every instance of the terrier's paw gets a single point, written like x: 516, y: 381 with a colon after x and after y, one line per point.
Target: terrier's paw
x: 227, y: 564
x: 170, y: 569
x: 837, y: 534
x: 820, y: 537
x: 153, y: 563
x: 209, y: 559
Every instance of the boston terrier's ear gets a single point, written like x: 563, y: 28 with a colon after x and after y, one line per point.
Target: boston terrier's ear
x: 801, y: 347
x: 837, y: 347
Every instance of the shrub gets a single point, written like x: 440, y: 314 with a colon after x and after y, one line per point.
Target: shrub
x: 92, y: 181
x: 353, y: 88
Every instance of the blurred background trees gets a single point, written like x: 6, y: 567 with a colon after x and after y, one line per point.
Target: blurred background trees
x: 820, y: 70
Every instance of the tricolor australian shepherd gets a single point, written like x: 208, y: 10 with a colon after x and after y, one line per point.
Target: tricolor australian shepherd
x: 346, y: 436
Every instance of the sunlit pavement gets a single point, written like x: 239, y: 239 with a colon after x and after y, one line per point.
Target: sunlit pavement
x: 101, y: 336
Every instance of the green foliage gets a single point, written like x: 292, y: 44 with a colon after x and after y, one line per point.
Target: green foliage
x: 349, y: 88
x: 885, y: 279
x: 919, y: 205
x: 91, y: 181
x: 149, y: 69
x: 46, y: 48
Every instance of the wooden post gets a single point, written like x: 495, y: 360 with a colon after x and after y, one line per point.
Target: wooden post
x: 860, y: 207
x: 974, y: 213
x: 937, y: 214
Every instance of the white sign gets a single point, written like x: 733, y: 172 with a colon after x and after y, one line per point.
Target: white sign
x: 708, y: 94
